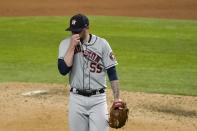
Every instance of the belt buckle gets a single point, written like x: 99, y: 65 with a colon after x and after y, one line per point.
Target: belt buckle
x: 88, y: 91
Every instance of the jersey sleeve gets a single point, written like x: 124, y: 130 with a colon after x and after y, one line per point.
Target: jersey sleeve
x: 63, y: 47
x: 109, y: 59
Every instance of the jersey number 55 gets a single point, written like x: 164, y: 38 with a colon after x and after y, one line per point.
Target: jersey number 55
x: 95, y: 68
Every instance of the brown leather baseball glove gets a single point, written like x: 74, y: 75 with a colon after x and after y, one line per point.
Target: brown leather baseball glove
x: 118, y: 114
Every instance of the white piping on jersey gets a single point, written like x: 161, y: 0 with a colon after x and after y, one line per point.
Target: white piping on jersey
x: 92, y: 41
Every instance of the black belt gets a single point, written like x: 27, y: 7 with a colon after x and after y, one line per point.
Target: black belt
x: 87, y: 93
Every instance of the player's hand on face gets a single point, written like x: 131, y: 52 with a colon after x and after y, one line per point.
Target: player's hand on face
x: 75, y: 39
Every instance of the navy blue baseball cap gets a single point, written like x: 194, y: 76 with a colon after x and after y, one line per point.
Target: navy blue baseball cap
x: 78, y: 23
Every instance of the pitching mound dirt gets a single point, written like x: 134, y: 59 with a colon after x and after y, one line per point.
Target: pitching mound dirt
x: 44, y: 108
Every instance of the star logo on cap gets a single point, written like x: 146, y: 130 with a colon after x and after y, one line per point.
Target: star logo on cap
x: 73, y: 22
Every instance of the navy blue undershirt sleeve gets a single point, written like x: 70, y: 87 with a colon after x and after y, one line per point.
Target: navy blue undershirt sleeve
x: 62, y: 67
x: 111, y: 72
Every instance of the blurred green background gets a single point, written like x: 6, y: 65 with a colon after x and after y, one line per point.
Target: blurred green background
x: 154, y: 55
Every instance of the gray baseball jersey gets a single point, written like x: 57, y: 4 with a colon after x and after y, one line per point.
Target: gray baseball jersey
x: 90, y: 62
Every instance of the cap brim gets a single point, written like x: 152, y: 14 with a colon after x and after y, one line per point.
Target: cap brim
x: 75, y: 30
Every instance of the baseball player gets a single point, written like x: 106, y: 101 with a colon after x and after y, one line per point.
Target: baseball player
x: 87, y: 58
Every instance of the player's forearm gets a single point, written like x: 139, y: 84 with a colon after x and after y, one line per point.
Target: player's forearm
x: 69, y: 56
x: 115, y: 89
x: 75, y: 39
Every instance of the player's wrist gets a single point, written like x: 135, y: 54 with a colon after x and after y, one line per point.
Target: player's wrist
x: 72, y: 46
x: 117, y: 100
